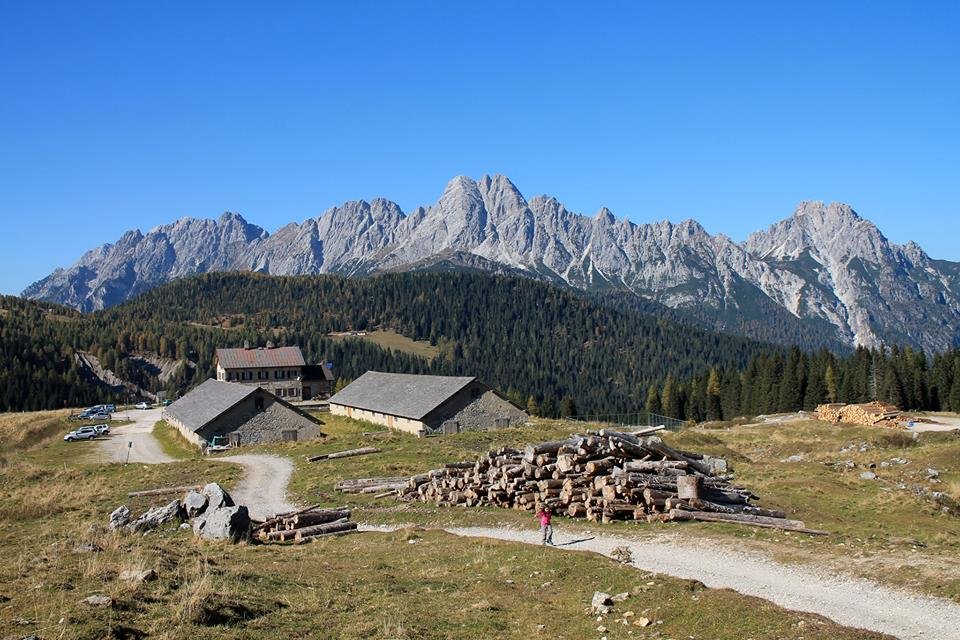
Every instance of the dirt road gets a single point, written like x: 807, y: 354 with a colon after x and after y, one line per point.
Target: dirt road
x: 263, y: 487
x: 847, y: 601
x: 143, y: 446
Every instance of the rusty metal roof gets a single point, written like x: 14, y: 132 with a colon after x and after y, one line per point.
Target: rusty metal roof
x: 260, y: 357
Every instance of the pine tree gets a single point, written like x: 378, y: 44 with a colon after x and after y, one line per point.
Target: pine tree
x: 954, y: 399
x: 816, y: 390
x: 532, y: 408
x: 653, y: 400
x: 714, y: 407
x: 568, y: 407
x: 669, y: 401
x: 831, y: 384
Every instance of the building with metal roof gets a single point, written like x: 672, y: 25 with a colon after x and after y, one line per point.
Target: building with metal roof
x: 244, y: 414
x: 425, y: 404
x: 280, y: 370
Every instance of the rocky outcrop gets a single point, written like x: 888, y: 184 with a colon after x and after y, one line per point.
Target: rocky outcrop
x: 824, y: 265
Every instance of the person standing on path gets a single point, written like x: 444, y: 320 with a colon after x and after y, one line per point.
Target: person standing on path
x: 546, y: 529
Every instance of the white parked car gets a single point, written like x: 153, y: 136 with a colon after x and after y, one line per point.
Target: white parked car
x: 142, y: 405
x: 83, y: 433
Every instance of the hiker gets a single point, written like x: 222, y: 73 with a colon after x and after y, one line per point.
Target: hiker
x: 546, y: 529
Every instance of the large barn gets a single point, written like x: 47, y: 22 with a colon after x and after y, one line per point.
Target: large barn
x: 425, y: 404
x: 244, y: 414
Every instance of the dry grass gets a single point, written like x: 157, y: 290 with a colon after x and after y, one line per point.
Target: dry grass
x: 20, y: 431
x: 406, y: 584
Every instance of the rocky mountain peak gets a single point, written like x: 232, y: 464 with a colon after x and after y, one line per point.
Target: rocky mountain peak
x: 823, y: 265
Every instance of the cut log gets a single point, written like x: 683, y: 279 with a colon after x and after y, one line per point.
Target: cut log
x: 330, y: 527
x: 362, y: 451
x: 164, y: 491
x: 320, y: 516
x: 688, y: 487
x: 715, y: 507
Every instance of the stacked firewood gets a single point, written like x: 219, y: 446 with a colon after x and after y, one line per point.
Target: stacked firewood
x: 868, y: 413
x: 601, y: 476
x: 305, y: 525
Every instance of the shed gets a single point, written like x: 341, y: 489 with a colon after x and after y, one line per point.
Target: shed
x: 244, y: 413
x: 425, y: 404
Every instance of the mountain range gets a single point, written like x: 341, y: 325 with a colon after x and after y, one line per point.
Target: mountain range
x: 824, y: 271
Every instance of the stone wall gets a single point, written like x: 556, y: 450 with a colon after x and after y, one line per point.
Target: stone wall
x: 476, y: 406
x: 257, y: 426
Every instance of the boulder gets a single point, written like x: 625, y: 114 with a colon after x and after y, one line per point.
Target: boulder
x: 216, y: 496
x: 716, y: 465
x: 131, y: 575
x: 120, y: 517
x: 868, y: 475
x: 155, y: 517
x: 601, y: 603
x: 225, y: 523
x: 194, y: 503
x: 198, y: 524
x: 98, y: 601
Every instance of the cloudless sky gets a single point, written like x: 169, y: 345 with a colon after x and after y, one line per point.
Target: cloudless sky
x: 131, y: 114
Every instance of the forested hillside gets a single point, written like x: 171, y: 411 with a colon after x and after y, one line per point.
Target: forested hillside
x: 543, y: 346
x: 522, y: 336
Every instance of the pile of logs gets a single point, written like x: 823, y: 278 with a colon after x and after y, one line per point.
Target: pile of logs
x: 868, y: 414
x: 371, y: 485
x: 305, y: 525
x: 601, y: 476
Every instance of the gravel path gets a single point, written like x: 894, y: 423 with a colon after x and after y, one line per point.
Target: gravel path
x: 143, y: 446
x: 848, y: 601
x: 263, y: 487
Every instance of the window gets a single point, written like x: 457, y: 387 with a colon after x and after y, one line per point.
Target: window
x: 291, y: 392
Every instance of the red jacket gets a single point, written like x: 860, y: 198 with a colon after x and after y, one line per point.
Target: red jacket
x: 544, y: 518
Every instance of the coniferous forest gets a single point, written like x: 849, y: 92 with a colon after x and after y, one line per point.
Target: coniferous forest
x: 546, y: 348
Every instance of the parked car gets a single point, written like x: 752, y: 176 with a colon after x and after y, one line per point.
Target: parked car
x: 83, y: 433
x: 99, y: 416
x: 142, y: 405
x: 102, y: 428
x: 167, y: 402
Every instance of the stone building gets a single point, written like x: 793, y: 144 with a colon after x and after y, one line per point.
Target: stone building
x: 245, y: 414
x: 425, y: 404
x: 280, y: 370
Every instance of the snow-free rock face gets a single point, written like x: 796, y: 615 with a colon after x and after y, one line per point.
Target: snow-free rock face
x: 824, y: 264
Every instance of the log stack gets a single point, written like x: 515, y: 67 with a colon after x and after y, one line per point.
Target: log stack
x: 867, y: 414
x: 370, y: 485
x: 305, y: 525
x: 601, y: 476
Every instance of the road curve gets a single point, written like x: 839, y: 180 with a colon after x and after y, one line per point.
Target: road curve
x: 263, y: 487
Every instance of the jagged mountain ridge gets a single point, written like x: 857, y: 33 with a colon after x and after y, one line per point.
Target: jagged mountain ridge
x: 824, y: 265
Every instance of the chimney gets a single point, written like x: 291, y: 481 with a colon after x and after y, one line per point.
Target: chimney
x: 246, y: 344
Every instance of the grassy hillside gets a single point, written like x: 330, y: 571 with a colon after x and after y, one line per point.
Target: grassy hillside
x: 54, y: 553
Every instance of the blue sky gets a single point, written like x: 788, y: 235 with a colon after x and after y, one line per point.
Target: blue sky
x: 134, y: 114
